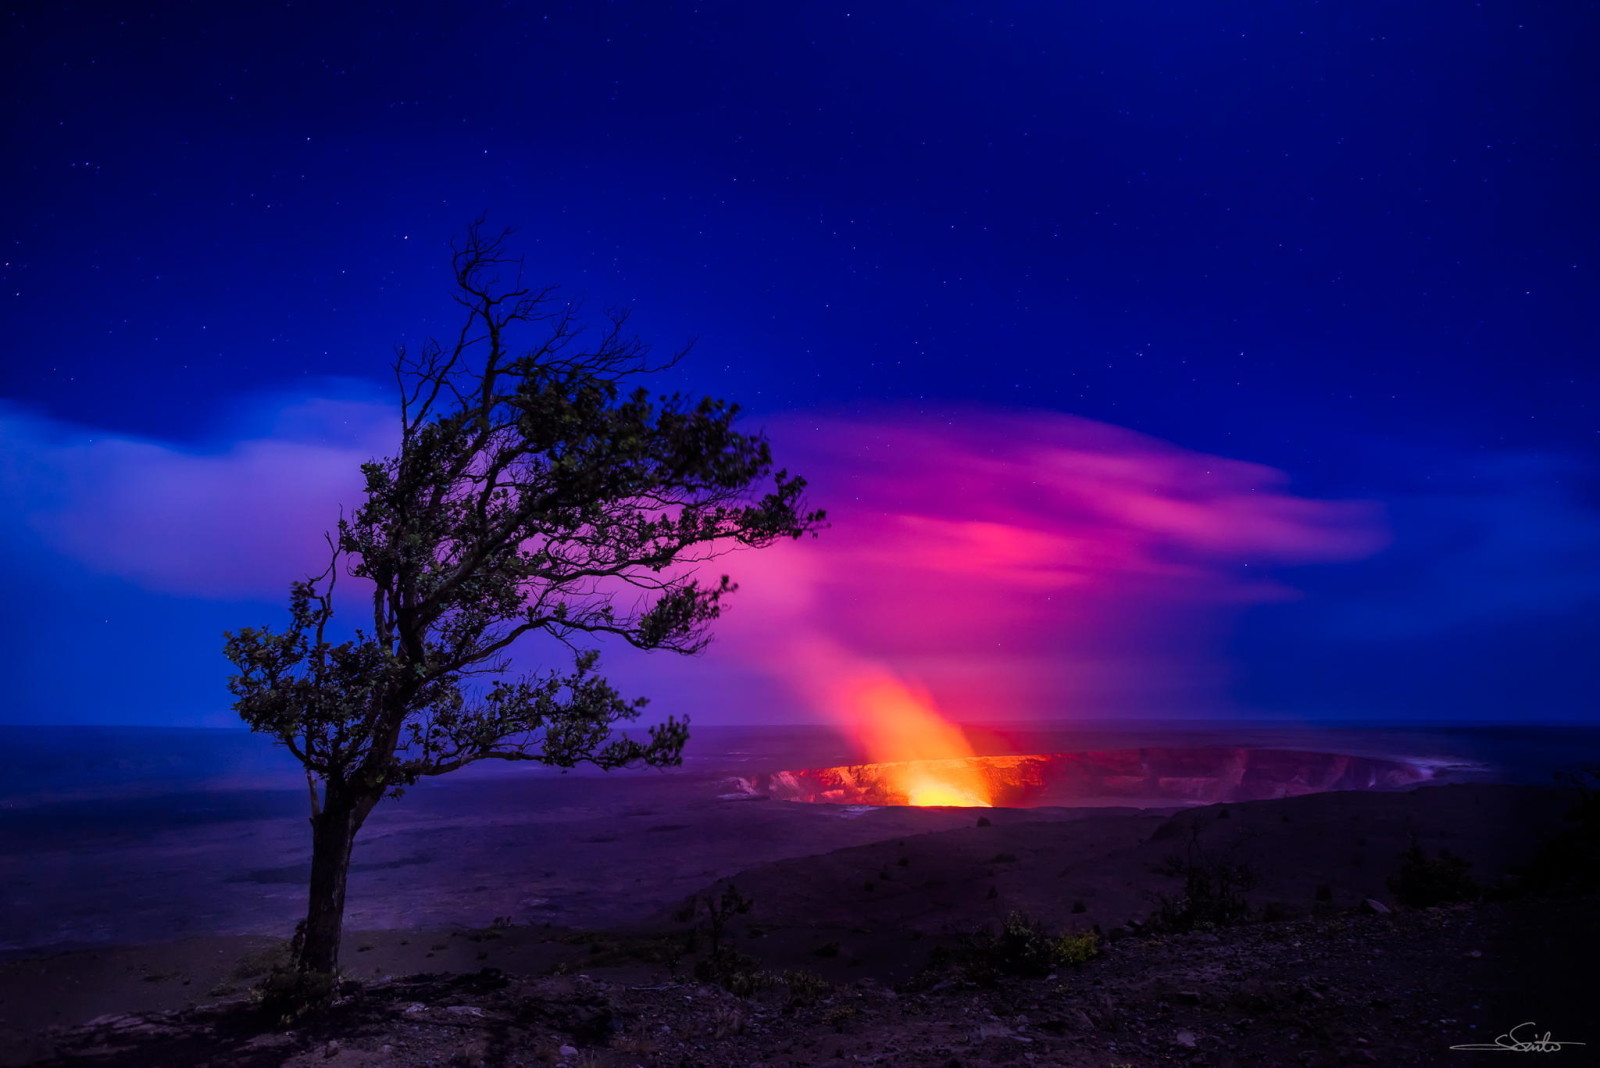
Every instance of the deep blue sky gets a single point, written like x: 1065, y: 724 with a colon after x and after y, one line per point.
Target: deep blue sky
x: 1350, y: 241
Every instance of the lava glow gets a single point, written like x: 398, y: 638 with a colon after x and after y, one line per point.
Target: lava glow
x: 1140, y: 777
x: 1016, y: 565
x: 899, y: 727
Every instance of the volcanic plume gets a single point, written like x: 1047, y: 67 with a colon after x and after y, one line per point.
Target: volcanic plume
x: 987, y: 565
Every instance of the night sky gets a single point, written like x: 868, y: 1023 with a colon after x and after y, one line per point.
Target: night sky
x: 1150, y: 358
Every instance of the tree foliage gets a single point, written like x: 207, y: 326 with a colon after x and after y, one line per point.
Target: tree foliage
x: 541, y: 492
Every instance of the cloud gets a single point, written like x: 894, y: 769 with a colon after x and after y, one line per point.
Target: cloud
x: 1014, y: 560
x: 240, y: 519
x: 1000, y: 559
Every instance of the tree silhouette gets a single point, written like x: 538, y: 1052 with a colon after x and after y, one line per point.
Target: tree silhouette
x: 530, y: 493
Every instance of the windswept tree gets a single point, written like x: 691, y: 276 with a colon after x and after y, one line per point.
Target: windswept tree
x: 534, y: 491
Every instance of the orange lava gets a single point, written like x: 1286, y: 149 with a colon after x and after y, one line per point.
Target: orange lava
x: 895, y: 725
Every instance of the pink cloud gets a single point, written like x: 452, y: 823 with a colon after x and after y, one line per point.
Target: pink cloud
x: 1020, y: 560
x: 1001, y: 561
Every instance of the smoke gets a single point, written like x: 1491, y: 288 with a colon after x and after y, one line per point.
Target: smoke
x: 980, y: 563
x: 1010, y: 564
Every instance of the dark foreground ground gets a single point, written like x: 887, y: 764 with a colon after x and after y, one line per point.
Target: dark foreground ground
x: 863, y: 953
x: 1340, y: 989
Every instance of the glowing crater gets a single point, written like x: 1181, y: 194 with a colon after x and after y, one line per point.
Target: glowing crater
x: 1118, y: 776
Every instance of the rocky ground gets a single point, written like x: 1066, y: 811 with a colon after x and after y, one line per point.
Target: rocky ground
x: 1347, y: 987
x: 870, y: 954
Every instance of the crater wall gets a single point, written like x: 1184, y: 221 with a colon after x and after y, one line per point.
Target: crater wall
x: 1173, y: 775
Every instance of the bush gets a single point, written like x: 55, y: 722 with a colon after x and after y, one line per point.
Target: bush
x: 1274, y: 911
x: 805, y: 986
x: 1425, y: 881
x: 737, y: 972
x: 1213, y: 895
x: 288, y: 994
x: 1021, y: 948
x: 1077, y: 948
x: 1569, y: 862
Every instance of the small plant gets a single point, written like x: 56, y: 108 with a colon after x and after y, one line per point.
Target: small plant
x: 1004, y: 858
x: 1569, y: 862
x: 608, y: 949
x: 719, y: 909
x: 985, y: 821
x: 805, y: 986
x: 738, y: 974
x: 827, y: 949
x: 289, y: 994
x: 1213, y: 894
x: 838, y: 1017
x: 1022, y: 948
x: 724, y: 964
x: 1425, y: 881
x: 1076, y: 948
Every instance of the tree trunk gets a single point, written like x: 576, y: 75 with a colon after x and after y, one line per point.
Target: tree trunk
x: 333, y: 833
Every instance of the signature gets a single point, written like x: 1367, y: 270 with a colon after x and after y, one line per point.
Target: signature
x: 1510, y: 1041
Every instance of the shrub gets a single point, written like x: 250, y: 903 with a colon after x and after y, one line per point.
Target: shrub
x: 805, y: 986
x: 1077, y: 948
x: 1022, y: 948
x: 1425, y: 881
x: 288, y: 994
x: 720, y: 909
x: 1213, y: 895
x: 736, y: 972
x: 1569, y: 862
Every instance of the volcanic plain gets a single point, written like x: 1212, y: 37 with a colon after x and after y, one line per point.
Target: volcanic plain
x: 528, y: 919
